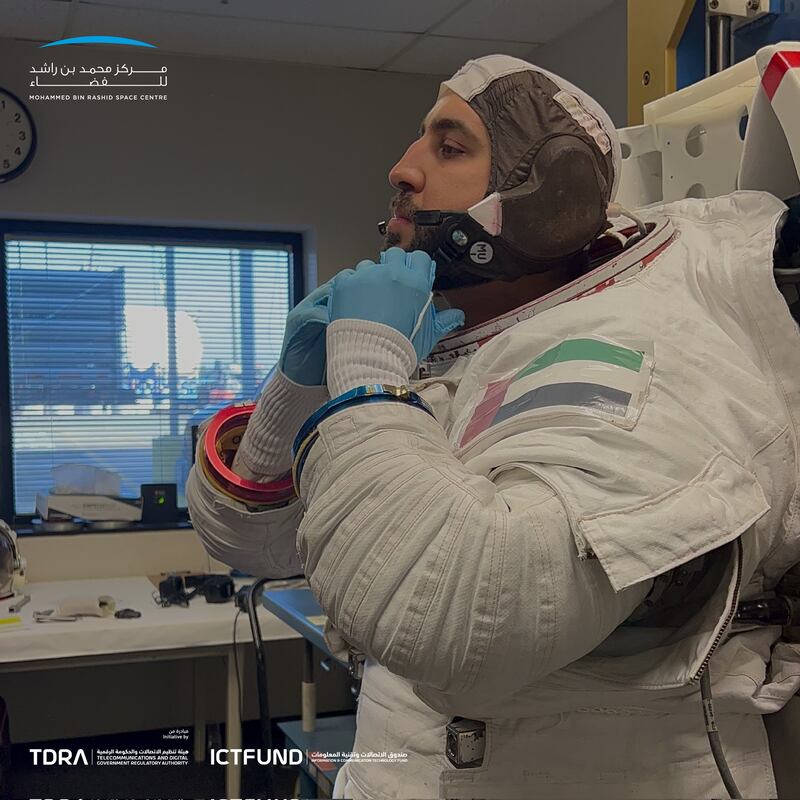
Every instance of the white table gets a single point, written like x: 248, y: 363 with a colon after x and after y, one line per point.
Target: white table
x: 199, y: 631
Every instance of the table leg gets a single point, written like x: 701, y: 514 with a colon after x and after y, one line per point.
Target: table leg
x: 199, y: 713
x: 233, y: 730
x: 307, y: 786
x: 309, y: 691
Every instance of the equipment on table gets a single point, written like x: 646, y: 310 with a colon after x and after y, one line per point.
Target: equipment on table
x: 86, y: 492
x: 127, y: 613
x: 178, y: 590
x: 72, y: 609
x: 215, y: 588
x: 159, y: 502
x: 18, y: 604
x: 12, y: 567
x: 91, y: 507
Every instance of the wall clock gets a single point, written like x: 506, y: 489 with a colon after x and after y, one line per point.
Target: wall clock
x: 17, y: 136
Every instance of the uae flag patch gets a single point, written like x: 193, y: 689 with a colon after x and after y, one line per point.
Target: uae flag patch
x: 591, y: 376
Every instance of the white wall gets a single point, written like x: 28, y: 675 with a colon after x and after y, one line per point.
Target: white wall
x: 594, y: 56
x: 70, y: 557
x: 240, y: 144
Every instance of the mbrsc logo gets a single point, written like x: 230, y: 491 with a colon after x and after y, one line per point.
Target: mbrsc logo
x: 98, y: 81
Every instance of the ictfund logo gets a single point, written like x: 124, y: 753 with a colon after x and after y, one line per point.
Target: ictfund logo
x: 238, y: 755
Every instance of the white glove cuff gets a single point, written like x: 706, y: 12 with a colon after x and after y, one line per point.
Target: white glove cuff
x: 362, y: 352
x: 265, y: 450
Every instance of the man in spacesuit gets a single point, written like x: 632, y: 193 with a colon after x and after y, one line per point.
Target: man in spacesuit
x: 535, y: 504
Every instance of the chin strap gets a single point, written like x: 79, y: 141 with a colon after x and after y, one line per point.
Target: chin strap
x: 421, y: 317
x: 469, y: 249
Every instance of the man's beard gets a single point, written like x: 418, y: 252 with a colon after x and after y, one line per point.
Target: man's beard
x: 425, y: 236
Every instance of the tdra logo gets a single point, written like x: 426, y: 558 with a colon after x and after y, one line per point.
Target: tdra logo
x: 48, y: 757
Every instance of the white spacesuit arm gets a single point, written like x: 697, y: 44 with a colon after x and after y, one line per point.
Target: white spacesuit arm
x: 264, y: 453
x: 261, y: 543
x: 465, y: 586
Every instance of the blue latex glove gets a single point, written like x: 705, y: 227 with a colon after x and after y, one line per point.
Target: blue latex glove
x: 303, y: 355
x: 396, y: 292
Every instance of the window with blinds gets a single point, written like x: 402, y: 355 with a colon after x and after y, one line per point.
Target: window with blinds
x: 117, y: 346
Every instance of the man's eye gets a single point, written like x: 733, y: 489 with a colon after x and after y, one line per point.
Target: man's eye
x: 448, y: 151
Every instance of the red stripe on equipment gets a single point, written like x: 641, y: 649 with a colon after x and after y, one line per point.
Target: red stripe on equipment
x: 778, y: 66
x: 259, y: 493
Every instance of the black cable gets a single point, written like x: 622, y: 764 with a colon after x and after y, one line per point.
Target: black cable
x: 261, y: 676
x: 713, y: 736
x: 236, y: 665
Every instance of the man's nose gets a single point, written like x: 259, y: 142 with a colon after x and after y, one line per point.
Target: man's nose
x: 407, y: 175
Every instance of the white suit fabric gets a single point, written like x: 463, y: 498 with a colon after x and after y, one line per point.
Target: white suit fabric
x: 485, y: 559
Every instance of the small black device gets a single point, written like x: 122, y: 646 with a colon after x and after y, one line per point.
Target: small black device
x: 172, y: 592
x: 178, y: 590
x: 240, y: 598
x: 159, y: 502
x: 466, y: 742
x: 217, y: 588
x: 127, y: 613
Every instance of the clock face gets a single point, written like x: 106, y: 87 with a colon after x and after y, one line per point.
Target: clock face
x: 17, y: 136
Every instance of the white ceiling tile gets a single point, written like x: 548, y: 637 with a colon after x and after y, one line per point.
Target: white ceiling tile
x: 32, y: 19
x: 243, y: 38
x: 440, y: 55
x: 519, y: 20
x: 415, y: 16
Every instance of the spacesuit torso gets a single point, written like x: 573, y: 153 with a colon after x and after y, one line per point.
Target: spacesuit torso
x: 630, y: 442
x: 688, y: 451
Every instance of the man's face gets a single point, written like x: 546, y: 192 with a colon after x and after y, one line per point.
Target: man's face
x: 446, y: 168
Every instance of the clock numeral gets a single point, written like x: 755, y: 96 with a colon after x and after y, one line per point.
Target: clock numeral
x: 17, y: 117
x: 6, y: 163
x: 17, y: 151
x: 21, y: 136
x: 2, y: 104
